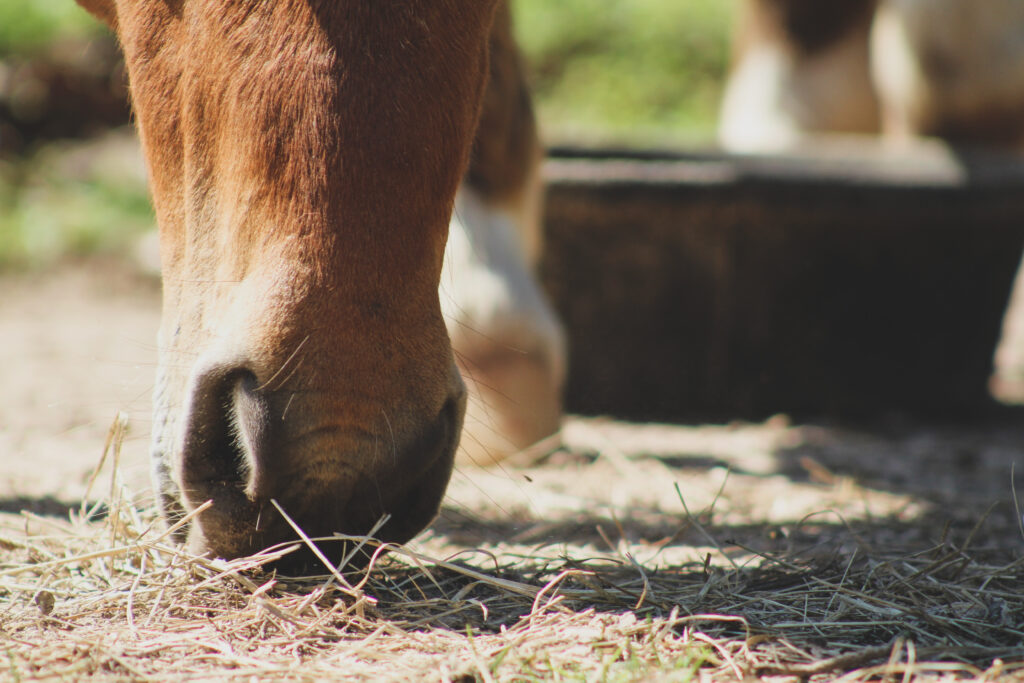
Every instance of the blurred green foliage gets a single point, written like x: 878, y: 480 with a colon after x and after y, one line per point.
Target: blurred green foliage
x: 645, y: 72
x: 73, y: 198
x: 27, y: 26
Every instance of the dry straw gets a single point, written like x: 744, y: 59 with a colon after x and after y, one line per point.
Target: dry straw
x: 107, y: 595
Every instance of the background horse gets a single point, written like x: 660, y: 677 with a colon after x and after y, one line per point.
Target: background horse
x: 904, y: 68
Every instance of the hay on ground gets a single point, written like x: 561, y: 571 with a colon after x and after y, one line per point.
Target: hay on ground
x: 106, y: 594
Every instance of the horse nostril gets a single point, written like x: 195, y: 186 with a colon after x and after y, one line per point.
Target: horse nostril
x: 225, y: 433
x: 251, y: 415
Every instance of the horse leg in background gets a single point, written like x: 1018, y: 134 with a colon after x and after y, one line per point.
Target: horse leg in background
x: 799, y: 67
x: 508, y: 342
x: 952, y: 69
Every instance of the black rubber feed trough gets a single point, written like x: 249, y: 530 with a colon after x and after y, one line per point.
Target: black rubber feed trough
x: 715, y: 286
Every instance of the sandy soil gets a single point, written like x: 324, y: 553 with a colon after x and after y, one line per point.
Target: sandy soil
x: 79, y: 348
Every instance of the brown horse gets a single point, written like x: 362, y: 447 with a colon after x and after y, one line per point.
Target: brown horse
x: 304, y: 159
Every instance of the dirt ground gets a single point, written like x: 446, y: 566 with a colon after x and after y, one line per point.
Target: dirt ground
x: 79, y: 344
x: 680, y: 501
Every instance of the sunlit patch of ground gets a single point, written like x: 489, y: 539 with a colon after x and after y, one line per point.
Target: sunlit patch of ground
x: 79, y: 345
